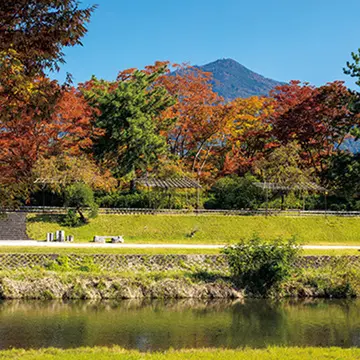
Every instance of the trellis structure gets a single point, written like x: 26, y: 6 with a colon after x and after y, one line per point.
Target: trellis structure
x: 45, y: 181
x: 308, y: 186
x: 171, y: 183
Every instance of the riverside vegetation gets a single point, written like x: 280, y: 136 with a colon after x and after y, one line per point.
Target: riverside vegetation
x: 257, y: 269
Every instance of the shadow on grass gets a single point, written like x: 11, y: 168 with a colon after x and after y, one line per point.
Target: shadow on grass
x: 46, y: 218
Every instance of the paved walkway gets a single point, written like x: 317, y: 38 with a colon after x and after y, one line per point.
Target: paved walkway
x: 32, y: 243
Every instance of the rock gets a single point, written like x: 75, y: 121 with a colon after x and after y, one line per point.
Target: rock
x: 99, y: 239
x: 117, y: 240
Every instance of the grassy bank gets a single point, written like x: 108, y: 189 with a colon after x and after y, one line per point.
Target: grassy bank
x: 207, y: 229
x: 65, y: 279
x: 98, y: 251
x: 126, y: 251
x: 208, y: 354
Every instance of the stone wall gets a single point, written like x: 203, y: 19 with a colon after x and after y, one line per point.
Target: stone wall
x: 13, y: 226
x: 118, y: 262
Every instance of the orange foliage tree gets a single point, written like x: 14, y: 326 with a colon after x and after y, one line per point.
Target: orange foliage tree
x: 247, y: 133
x: 52, y: 121
x: 200, y: 118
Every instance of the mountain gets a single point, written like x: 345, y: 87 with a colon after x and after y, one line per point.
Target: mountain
x: 232, y: 80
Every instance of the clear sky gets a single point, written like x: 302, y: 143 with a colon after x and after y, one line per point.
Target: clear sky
x: 308, y: 40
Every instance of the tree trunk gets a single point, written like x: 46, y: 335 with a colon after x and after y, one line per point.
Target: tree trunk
x: 132, y: 186
x: 82, y: 217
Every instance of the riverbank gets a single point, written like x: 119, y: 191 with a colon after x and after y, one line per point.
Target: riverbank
x: 203, y: 229
x: 208, y: 354
x: 80, y: 278
x: 51, y: 285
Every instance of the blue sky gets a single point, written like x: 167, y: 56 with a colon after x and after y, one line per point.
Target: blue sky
x: 308, y: 40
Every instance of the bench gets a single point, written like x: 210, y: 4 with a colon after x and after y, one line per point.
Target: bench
x: 114, y: 239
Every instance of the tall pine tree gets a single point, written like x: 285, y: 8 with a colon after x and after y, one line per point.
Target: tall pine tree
x: 132, y: 140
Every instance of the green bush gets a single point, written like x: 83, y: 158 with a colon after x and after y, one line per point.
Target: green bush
x: 259, y: 267
x: 71, y: 219
x: 60, y: 264
x: 63, y: 264
x: 235, y: 192
x: 81, y: 197
x: 175, y: 199
x: 339, y: 279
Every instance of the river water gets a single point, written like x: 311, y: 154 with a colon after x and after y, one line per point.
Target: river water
x: 158, y: 325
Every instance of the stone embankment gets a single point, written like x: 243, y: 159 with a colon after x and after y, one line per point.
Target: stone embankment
x: 100, y: 287
x: 136, y: 263
x: 108, y: 276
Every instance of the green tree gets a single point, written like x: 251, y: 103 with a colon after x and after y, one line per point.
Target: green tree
x: 81, y: 197
x: 233, y: 192
x: 282, y: 166
x: 132, y: 140
x: 353, y: 69
x: 343, y: 176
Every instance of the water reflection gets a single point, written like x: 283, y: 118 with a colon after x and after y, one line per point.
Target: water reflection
x: 151, y: 325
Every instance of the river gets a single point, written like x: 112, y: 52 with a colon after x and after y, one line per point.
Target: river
x: 158, y: 325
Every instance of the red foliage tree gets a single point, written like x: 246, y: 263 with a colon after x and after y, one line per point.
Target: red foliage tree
x: 318, y: 119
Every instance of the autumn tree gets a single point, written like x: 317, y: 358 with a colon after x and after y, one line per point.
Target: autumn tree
x: 41, y: 131
x: 200, y: 118
x: 32, y: 35
x: 246, y: 134
x: 38, y: 30
x: 57, y: 172
x: 318, y: 119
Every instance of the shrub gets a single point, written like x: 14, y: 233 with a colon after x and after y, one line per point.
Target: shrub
x: 260, y: 266
x: 71, y: 219
x: 174, y: 199
x: 339, y: 279
x: 81, y: 197
x: 235, y: 192
x: 64, y: 264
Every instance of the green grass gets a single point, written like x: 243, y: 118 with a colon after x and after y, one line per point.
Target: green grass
x: 207, y: 229
x: 90, y: 251
x: 122, y: 251
x: 337, y: 252
x: 215, y: 354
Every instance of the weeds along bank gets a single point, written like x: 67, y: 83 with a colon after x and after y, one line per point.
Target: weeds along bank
x: 115, y: 352
x: 262, y: 271
x: 209, y: 229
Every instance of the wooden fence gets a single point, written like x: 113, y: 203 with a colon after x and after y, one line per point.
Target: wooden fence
x: 242, y: 212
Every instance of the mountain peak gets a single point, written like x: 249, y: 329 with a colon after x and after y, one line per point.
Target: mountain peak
x: 232, y: 80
